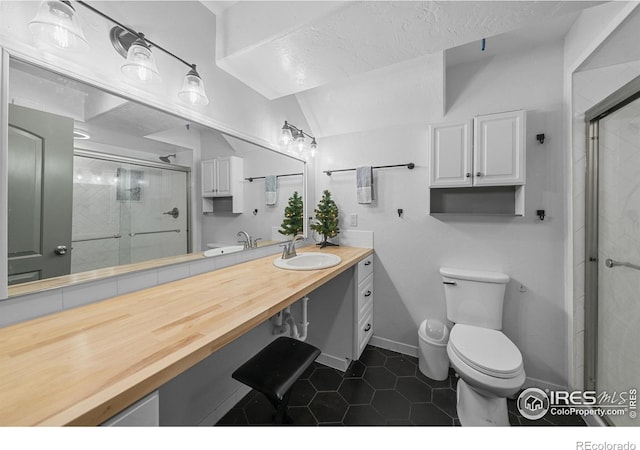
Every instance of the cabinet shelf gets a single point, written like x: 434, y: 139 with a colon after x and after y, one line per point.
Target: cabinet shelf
x: 493, y: 201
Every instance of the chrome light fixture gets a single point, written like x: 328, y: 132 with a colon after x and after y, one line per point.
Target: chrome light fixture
x: 141, y: 64
x: 56, y: 24
x: 193, y: 89
x: 292, y: 134
x: 285, y: 135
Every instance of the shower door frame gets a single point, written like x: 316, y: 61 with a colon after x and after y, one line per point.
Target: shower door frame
x: 142, y: 162
x: 619, y: 99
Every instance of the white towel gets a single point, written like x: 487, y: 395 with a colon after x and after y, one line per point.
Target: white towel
x: 271, y: 189
x: 364, y: 185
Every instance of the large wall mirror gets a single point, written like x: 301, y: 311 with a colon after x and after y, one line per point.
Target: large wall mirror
x: 98, y: 181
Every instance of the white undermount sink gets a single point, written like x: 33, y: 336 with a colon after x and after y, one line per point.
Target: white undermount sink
x: 223, y: 250
x: 308, y: 261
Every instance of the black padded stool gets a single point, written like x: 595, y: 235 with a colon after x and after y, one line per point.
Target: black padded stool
x: 274, y: 370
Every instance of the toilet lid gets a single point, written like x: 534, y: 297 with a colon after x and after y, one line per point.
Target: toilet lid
x: 488, y: 351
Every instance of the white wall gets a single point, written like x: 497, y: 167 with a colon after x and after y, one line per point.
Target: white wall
x: 410, y: 249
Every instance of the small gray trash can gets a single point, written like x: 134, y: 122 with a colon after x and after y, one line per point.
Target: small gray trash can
x: 433, y: 361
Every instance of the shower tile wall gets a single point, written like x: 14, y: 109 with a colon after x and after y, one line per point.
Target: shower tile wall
x: 97, y: 212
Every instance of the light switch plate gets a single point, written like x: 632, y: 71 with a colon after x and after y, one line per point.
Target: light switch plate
x: 353, y: 220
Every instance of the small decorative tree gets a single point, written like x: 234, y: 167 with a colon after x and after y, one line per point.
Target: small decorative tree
x: 293, y: 216
x: 326, y: 219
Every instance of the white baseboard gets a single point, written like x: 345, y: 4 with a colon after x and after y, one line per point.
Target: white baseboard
x: 412, y: 350
x: 340, y: 364
x: 394, y: 346
x: 225, y: 406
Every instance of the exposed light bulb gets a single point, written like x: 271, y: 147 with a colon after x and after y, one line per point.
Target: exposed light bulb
x: 285, y: 134
x: 301, y: 144
x: 313, y: 147
x: 192, y: 91
x: 56, y: 25
x: 141, y: 64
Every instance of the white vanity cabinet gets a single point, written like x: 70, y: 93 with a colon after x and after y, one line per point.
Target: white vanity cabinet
x: 222, y: 184
x: 143, y: 413
x: 363, y: 306
x: 492, y: 155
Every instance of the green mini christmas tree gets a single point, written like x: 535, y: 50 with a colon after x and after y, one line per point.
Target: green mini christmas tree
x: 293, y: 216
x: 326, y: 219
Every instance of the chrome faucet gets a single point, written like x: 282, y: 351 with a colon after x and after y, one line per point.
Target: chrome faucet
x: 289, y: 249
x: 247, y: 242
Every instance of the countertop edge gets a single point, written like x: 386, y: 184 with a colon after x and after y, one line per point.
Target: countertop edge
x: 94, y: 411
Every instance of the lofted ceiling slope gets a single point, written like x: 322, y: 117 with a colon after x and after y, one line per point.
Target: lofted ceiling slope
x: 284, y: 48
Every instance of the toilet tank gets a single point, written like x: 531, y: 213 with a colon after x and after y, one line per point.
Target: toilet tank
x: 474, y: 297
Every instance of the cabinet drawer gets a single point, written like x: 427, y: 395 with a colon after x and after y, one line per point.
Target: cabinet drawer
x: 365, y: 267
x: 365, y: 329
x: 365, y: 296
x: 144, y: 413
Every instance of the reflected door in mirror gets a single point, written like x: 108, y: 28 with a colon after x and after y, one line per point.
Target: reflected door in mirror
x: 39, y: 194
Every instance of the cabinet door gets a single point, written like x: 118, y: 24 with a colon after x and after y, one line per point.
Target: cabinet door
x: 208, y: 177
x: 450, y: 155
x: 499, y: 149
x: 223, y: 177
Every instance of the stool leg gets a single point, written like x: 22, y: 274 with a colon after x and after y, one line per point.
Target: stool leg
x: 281, y: 416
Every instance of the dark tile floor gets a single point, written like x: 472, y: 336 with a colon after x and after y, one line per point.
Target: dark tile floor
x: 383, y: 388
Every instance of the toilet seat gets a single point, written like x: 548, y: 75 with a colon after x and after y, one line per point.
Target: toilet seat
x: 488, y: 351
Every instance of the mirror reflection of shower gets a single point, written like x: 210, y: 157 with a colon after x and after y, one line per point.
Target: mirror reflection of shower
x: 126, y: 211
x: 166, y: 158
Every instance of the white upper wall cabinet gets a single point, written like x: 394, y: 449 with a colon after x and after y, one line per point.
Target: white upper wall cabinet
x: 451, y: 153
x: 222, y: 179
x: 496, y: 158
x: 218, y: 176
x: 499, y: 149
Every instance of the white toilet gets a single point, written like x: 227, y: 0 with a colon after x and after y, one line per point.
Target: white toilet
x: 488, y: 363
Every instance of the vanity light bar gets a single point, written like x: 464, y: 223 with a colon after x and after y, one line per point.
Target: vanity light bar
x: 140, y: 63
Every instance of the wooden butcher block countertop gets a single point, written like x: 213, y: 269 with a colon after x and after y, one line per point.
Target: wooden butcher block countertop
x: 84, y: 365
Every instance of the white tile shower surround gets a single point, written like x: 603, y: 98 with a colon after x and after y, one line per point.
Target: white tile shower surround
x: 588, y: 88
x: 97, y: 213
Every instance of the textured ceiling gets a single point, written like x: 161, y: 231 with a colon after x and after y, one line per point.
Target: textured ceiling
x: 324, y: 42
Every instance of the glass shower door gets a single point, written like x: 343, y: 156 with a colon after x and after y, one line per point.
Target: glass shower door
x: 126, y: 213
x: 618, y: 328
x: 155, y: 215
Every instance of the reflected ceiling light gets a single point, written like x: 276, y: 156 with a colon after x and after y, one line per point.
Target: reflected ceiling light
x: 56, y: 24
x: 141, y: 64
x: 80, y: 134
x: 192, y: 91
x: 292, y: 134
